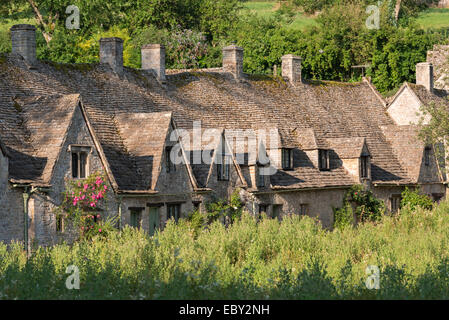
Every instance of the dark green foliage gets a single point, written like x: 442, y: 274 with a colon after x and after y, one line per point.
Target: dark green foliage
x: 361, y: 203
x: 368, y: 207
x: 414, y: 199
x: 221, y: 210
x: 343, y: 217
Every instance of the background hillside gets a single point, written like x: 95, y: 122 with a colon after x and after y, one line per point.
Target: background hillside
x: 330, y: 35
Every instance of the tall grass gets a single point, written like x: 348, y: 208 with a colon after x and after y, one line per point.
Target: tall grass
x: 294, y: 259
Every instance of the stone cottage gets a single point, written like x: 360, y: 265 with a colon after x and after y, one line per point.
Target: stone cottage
x: 170, y: 141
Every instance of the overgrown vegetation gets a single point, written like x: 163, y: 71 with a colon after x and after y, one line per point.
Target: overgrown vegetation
x: 249, y: 259
x: 361, y: 204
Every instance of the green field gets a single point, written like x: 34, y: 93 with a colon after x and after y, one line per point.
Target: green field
x: 268, y: 8
x: 434, y: 18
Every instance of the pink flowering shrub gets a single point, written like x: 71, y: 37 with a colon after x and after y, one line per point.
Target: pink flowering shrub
x: 84, y: 201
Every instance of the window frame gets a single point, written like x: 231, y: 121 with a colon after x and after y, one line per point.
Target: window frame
x: 303, y: 209
x: 59, y: 223
x: 427, y: 152
x: 260, y: 179
x: 277, y: 211
x: 326, y: 166
x: 224, y: 168
x: 135, y: 212
x: 287, y: 154
x: 170, y: 166
x: 364, y: 167
x: 393, y: 198
x: 79, y: 152
x: 177, y: 213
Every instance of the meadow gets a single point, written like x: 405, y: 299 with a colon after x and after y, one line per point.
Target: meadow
x: 292, y: 259
x: 267, y: 9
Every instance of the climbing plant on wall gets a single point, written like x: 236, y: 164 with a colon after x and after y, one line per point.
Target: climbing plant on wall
x: 362, y: 203
x: 83, y: 202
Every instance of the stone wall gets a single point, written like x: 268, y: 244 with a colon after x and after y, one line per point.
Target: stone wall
x: 405, y: 109
x: 439, y: 58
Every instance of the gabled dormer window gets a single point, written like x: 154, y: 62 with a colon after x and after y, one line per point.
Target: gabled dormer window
x: 323, y: 159
x: 287, y: 159
x: 427, y: 151
x: 364, y: 167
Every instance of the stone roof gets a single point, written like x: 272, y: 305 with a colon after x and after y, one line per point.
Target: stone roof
x: 144, y: 136
x: 348, y: 148
x: 407, y: 146
x: 330, y: 109
x: 426, y: 97
x: 34, y: 138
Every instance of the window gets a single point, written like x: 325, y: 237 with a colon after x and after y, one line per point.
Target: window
x: 173, y: 211
x: 171, y: 167
x: 277, y: 210
x: 260, y: 179
x: 427, y: 151
x: 59, y: 223
x: 364, y: 163
x: 135, y: 220
x: 303, y: 209
x: 223, y: 165
x: 395, y: 203
x: 437, y: 197
x: 287, y: 161
x: 263, y: 208
x: 196, y: 205
x: 323, y: 159
x: 79, y: 164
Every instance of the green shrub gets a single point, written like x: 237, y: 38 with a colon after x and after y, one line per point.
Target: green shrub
x: 367, y: 207
x: 414, y: 199
x: 343, y: 217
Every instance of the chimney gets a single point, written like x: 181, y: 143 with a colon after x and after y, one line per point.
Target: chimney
x: 153, y: 58
x: 291, y: 68
x: 23, y: 38
x: 233, y: 60
x: 111, y: 52
x: 424, y: 75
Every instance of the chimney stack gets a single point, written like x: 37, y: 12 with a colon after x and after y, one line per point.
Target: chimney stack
x: 291, y: 68
x: 424, y: 75
x: 233, y: 60
x: 111, y: 52
x: 153, y: 58
x: 23, y: 38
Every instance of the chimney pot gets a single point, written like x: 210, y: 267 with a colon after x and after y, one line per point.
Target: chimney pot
x: 111, y: 52
x: 23, y: 39
x: 153, y: 58
x: 233, y: 60
x: 291, y: 68
x: 424, y: 75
